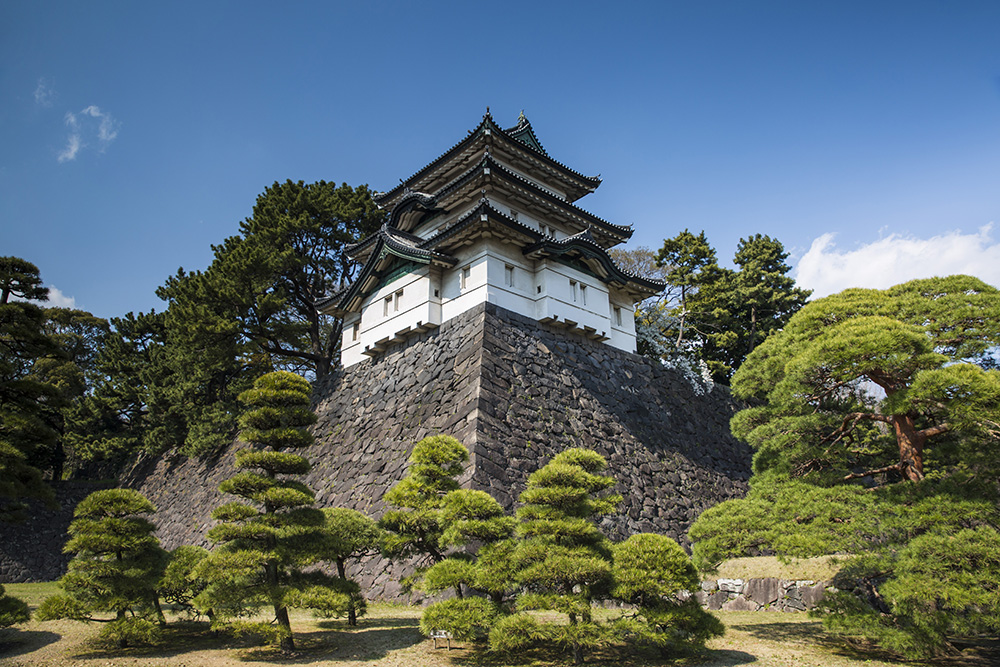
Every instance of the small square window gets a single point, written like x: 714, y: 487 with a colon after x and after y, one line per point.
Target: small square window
x: 466, y: 274
x: 572, y: 290
x: 398, y: 297
x: 508, y: 275
x: 355, y: 330
x: 583, y: 294
x: 618, y: 316
x: 386, y: 306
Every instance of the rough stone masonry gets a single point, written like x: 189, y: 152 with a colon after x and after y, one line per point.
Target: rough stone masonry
x: 515, y: 392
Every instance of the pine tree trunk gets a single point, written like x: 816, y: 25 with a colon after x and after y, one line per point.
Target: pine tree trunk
x: 911, y: 448
x: 352, y: 612
x: 281, y: 615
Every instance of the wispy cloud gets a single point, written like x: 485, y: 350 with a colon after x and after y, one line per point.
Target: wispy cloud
x: 73, y: 144
x: 896, y: 259
x: 45, y: 95
x: 91, y: 127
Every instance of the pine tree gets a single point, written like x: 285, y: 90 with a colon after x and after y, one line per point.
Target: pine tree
x: 654, y: 575
x: 349, y: 534
x: 562, y: 561
x: 12, y: 610
x: 268, y: 536
x: 416, y: 528
x: 876, y: 435
x: 27, y: 433
x: 117, y: 565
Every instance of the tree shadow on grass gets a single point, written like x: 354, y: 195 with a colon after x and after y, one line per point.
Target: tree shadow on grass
x: 178, y: 637
x: 14, y: 642
x: 812, y: 633
x: 371, y: 639
x: 607, y: 656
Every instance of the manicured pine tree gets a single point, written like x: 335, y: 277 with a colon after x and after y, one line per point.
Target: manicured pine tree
x: 416, y: 527
x: 117, y: 566
x: 349, y: 534
x: 562, y: 561
x: 470, y: 516
x: 653, y: 574
x: 273, y: 531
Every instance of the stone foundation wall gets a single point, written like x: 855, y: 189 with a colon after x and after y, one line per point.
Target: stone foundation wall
x: 767, y: 594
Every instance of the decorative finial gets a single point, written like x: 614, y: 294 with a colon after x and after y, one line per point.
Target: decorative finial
x: 522, y: 118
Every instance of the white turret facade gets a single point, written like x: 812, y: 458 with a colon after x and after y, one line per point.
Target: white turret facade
x: 491, y: 220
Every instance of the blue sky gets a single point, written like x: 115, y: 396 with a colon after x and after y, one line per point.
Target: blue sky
x: 863, y: 135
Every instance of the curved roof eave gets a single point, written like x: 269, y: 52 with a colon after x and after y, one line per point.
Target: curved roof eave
x: 585, y: 245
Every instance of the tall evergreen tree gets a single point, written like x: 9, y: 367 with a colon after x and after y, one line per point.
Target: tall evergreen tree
x: 26, y: 402
x: 562, y: 560
x: 268, y: 536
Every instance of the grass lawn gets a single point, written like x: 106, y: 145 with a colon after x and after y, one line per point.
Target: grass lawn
x: 388, y: 637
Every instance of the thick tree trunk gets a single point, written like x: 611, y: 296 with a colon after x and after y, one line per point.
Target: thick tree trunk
x: 911, y: 447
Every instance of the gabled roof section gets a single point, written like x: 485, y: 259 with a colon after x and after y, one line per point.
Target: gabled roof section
x: 523, y: 133
x: 482, y: 217
x: 521, y: 139
x: 584, y: 248
x: 491, y: 175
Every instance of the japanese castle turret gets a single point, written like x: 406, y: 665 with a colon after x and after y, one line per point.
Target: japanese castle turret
x: 491, y: 220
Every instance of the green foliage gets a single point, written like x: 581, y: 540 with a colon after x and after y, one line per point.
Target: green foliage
x: 29, y: 404
x: 12, y: 609
x: 117, y: 566
x: 877, y: 437
x: 822, y: 420
x: 466, y: 619
x: 180, y: 584
x: 652, y: 573
x: 562, y: 561
x: 416, y: 528
x: 348, y: 534
x: 912, y: 601
x: 716, y: 316
x: 266, y: 538
x: 130, y: 631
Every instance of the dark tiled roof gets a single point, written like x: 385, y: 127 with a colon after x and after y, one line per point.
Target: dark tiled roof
x: 590, y: 182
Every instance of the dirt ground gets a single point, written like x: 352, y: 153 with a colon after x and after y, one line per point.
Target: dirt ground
x: 389, y: 637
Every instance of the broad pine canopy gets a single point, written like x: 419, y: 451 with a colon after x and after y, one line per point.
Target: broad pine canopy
x: 878, y: 384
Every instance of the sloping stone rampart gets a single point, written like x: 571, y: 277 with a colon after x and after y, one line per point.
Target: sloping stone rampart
x: 515, y: 392
x: 33, y: 550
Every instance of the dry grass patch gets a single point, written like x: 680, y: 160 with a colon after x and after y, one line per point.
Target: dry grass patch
x: 822, y: 568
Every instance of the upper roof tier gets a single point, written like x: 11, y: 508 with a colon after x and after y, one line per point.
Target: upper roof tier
x: 517, y: 146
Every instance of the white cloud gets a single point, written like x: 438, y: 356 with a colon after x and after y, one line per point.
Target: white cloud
x: 56, y: 299
x: 93, y: 124
x: 896, y: 259
x: 44, y: 93
x: 59, y: 300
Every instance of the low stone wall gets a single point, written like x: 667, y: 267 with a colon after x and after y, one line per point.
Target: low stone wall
x: 33, y: 550
x: 768, y: 594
